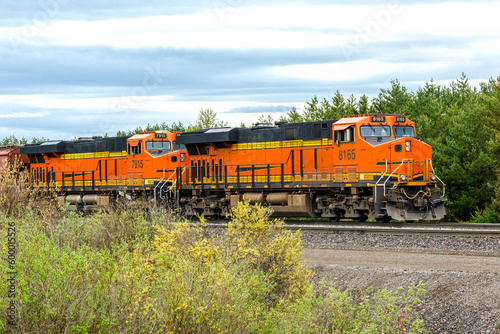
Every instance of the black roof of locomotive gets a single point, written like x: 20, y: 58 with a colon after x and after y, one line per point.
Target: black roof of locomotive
x: 260, y: 133
x: 95, y: 144
x: 216, y: 135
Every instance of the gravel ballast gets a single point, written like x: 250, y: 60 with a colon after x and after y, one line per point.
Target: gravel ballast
x: 462, y: 274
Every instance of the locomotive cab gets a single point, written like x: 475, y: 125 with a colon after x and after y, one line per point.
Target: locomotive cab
x: 153, y: 158
x: 405, y: 182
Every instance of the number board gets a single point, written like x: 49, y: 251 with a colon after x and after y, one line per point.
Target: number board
x: 401, y: 119
x: 161, y: 135
x: 378, y: 118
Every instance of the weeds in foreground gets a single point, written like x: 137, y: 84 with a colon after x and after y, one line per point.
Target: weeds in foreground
x: 123, y: 272
x: 127, y: 271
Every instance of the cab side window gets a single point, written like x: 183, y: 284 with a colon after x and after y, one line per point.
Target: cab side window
x: 135, y: 149
x: 344, y: 136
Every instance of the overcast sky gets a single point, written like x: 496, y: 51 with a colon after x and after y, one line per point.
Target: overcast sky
x: 78, y: 68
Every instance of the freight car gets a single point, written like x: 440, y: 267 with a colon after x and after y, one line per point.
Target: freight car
x: 10, y: 153
x: 359, y: 167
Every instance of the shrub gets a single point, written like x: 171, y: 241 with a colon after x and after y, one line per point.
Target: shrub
x: 487, y: 216
x: 269, y: 248
x: 14, y: 188
x: 328, y: 310
x: 128, y: 271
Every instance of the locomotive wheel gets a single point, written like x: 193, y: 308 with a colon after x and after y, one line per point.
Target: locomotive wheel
x: 362, y: 218
x: 384, y: 219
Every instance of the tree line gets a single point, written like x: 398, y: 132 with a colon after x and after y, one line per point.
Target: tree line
x: 461, y: 122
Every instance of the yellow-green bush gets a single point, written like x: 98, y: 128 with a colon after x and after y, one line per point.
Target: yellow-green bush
x: 269, y: 247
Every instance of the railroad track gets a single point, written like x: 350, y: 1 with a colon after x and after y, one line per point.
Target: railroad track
x: 446, y: 229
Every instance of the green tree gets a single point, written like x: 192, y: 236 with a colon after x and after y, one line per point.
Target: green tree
x: 393, y: 100
x: 207, y: 118
x: 447, y: 118
x: 362, y: 105
x: 293, y: 116
x: 490, y: 108
x: 12, y: 140
x: 314, y: 111
x: 39, y: 140
x: 336, y: 109
x: 351, y: 106
x: 177, y: 127
x: 263, y: 119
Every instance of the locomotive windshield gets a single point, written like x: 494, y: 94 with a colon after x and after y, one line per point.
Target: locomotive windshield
x: 403, y: 131
x: 375, y: 131
x: 158, y: 147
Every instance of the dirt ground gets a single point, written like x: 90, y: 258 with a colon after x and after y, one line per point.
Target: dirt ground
x: 463, y: 291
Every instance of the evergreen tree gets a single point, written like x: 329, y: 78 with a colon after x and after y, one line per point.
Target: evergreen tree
x: 362, y: 105
x: 313, y: 111
x: 263, y: 119
x: 351, y: 106
x: 293, y: 116
x: 207, y: 118
x: 391, y: 101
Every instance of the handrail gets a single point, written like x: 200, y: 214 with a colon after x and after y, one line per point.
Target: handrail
x: 80, y: 171
x: 402, y: 163
x: 163, y: 178
x: 444, y: 185
x: 224, y: 175
x: 72, y: 181
x: 380, y: 178
x: 175, y: 182
x: 165, y: 183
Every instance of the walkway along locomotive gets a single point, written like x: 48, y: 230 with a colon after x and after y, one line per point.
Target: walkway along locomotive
x: 359, y: 167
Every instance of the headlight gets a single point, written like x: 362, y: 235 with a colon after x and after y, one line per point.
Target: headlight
x: 408, y: 146
x: 402, y: 177
x: 433, y: 177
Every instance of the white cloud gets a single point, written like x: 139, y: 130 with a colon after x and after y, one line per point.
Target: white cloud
x: 472, y: 82
x: 349, y: 71
x: 491, y: 46
x: 268, y: 27
x: 450, y: 19
x: 24, y: 114
x: 121, y: 108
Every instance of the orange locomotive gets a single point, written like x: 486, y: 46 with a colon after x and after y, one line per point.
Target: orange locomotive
x: 359, y: 167
x: 91, y: 171
x: 365, y: 166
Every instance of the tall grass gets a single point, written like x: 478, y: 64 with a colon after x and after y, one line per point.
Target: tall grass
x: 125, y: 271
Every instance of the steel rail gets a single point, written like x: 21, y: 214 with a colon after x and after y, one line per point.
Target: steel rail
x: 495, y: 233
x: 451, y: 225
x: 479, y: 230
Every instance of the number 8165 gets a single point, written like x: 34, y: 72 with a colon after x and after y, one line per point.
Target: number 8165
x: 347, y: 155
